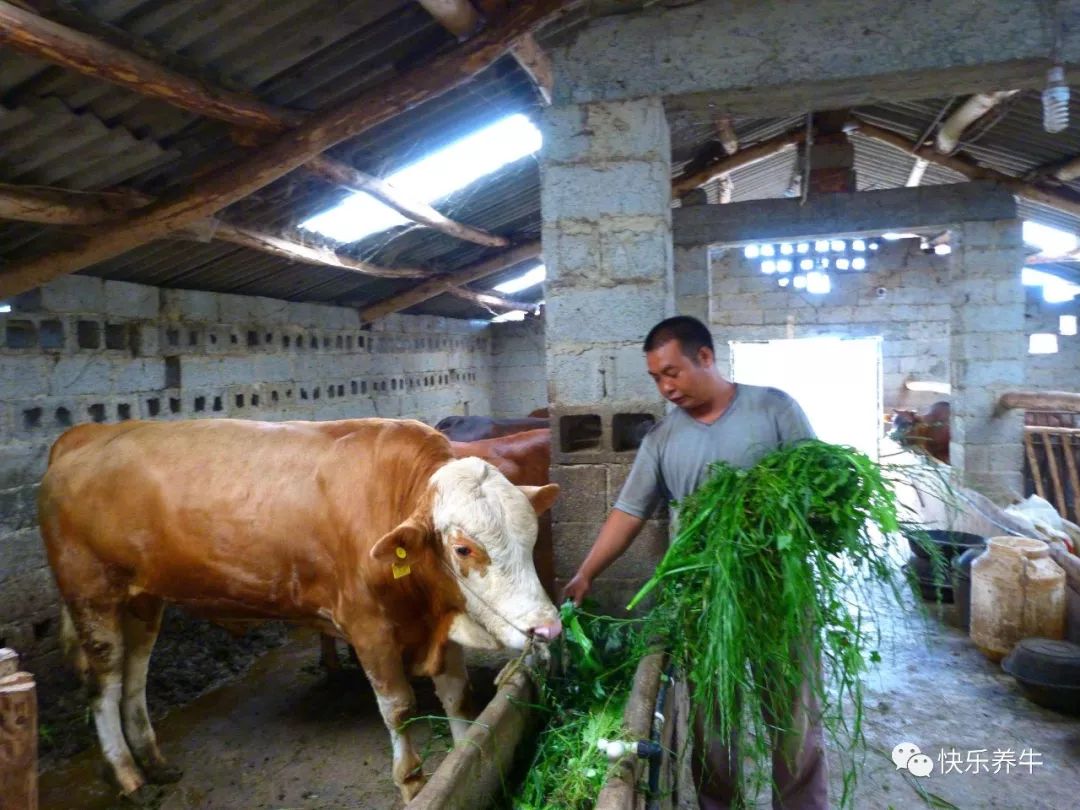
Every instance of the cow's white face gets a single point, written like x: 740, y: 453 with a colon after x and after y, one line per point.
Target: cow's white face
x: 487, y: 527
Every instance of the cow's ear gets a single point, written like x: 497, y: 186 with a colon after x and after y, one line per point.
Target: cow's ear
x: 407, y: 538
x: 541, y: 498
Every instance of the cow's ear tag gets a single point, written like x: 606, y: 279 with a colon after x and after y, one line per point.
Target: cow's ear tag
x: 401, y: 569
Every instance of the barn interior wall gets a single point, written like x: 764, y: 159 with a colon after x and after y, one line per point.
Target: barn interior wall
x: 1059, y: 371
x: 518, y: 368
x: 903, y: 297
x: 82, y: 350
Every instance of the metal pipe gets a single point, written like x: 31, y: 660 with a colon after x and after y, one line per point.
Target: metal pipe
x: 656, y: 752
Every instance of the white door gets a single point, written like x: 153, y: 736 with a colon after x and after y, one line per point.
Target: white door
x: 837, y: 382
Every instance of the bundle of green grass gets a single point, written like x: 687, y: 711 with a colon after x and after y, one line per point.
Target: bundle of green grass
x: 769, y: 575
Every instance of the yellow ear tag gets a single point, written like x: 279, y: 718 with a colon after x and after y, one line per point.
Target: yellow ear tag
x: 403, y: 569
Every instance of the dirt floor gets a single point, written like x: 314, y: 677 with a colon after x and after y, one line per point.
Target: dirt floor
x: 285, y: 735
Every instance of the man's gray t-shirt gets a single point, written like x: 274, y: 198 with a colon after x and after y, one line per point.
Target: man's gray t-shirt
x: 674, y: 456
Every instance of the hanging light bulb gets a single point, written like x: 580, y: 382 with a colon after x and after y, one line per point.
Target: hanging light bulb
x: 1055, y: 100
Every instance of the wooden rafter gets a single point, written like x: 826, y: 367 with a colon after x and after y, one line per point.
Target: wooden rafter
x: 970, y: 169
x: 42, y: 38
x: 299, y: 252
x: 490, y: 300
x: 726, y: 131
x: 448, y: 282
x: 740, y: 160
x: 338, y: 173
x: 1066, y: 401
x: 291, y: 150
x: 461, y: 19
x: 961, y: 119
x: 1062, y: 171
x: 55, y: 206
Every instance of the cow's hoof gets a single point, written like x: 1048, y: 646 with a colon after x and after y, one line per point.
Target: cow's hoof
x: 412, y: 785
x: 162, y: 773
x: 147, y: 796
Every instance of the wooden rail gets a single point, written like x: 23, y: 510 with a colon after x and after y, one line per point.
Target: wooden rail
x: 1053, y: 466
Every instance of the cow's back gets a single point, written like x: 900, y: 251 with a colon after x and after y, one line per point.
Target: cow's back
x: 478, y: 428
x: 524, y: 458
x: 230, y: 512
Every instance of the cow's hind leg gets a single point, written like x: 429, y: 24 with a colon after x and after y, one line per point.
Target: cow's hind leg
x: 100, y: 631
x: 141, y: 623
x: 452, y: 687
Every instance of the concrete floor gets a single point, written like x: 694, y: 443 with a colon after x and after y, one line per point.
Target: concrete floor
x: 934, y: 689
x: 286, y: 736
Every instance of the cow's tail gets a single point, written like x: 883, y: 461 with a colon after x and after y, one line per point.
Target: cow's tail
x: 71, y: 646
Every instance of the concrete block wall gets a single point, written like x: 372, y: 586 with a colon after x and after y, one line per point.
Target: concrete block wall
x: 518, y: 368
x: 904, y: 297
x: 988, y: 355
x: 1052, y: 372
x: 81, y: 349
x: 967, y: 309
x: 606, y: 199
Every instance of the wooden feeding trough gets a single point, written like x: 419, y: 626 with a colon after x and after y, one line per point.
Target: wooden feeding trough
x: 474, y: 775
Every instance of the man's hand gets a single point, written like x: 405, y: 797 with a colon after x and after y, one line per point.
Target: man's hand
x: 577, y: 588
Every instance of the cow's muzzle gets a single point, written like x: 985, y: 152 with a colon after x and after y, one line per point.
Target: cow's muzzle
x: 546, y: 632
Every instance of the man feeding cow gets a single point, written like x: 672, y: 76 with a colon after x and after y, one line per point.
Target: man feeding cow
x: 369, y: 529
x: 714, y: 420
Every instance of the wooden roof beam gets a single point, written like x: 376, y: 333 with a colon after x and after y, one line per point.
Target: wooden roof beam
x: 53, y: 206
x: 969, y: 169
x: 726, y: 131
x: 952, y: 129
x: 491, y: 301
x: 44, y: 39
x: 448, y: 282
x: 740, y: 160
x: 321, y: 131
x: 461, y: 19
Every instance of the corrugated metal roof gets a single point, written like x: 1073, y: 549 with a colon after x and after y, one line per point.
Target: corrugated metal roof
x: 61, y: 129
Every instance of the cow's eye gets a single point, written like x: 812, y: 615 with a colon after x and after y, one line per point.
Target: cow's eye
x: 462, y: 551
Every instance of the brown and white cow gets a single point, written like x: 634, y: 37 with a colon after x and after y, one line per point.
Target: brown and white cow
x: 369, y: 529
x: 525, y: 460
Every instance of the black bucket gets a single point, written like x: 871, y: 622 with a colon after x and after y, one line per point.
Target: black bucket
x: 961, y: 579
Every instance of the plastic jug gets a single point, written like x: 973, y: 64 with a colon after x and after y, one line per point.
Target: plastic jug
x: 1017, y: 591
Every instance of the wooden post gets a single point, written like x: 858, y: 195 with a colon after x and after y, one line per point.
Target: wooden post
x: 18, y: 735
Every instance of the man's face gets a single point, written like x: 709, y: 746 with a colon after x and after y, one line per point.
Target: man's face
x: 678, y: 378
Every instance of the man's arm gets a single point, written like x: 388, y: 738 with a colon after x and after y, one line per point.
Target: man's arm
x: 616, y: 535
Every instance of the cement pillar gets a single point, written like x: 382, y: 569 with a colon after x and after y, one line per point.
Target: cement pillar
x: 988, y: 355
x: 692, y: 282
x: 606, y: 197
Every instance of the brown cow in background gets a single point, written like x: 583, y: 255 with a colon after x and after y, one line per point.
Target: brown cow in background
x: 928, y: 432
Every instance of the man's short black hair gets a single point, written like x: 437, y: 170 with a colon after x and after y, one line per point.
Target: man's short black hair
x: 691, y: 333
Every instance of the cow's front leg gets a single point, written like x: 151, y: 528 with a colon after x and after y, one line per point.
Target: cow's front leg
x: 398, y: 706
x: 452, y: 687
